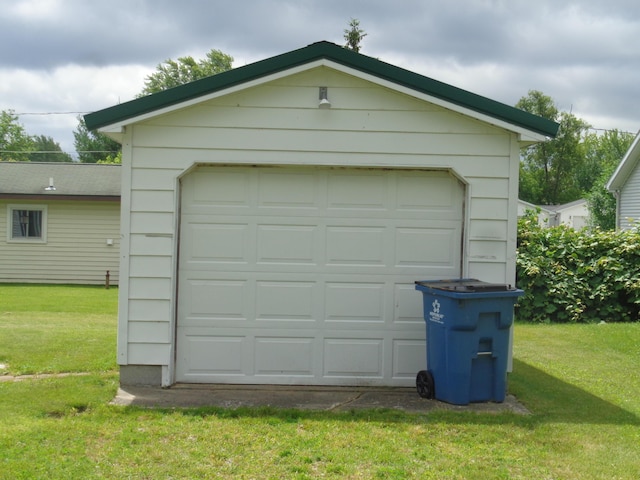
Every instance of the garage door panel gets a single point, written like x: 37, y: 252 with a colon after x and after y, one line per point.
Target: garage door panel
x: 218, y: 242
x: 301, y: 192
x: 277, y: 356
x: 286, y: 243
x: 353, y: 357
x: 357, y: 190
x: 325, y: 298
x: 432, y: 193
x: 309, y: 277
x: 426, y: 247
x: 212, y: 302
x: 355, y: 302
x: 216, y: 299
x: 291, y: 301
x: 212, y: 355
x: 407, y: 353
x: 219, y: 188
x: 337, y: 244
x: 355, y: 245
x: 408, y: 305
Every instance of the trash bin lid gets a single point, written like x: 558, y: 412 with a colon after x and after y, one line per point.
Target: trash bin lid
x: 466, y: 285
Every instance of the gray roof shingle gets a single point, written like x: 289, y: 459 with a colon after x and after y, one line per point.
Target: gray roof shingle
x: 69, y: 179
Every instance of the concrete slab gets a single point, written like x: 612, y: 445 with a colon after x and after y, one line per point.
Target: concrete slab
x: 297, y: 397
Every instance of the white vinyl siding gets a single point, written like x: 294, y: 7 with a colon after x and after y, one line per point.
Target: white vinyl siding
x: 279, y: 123
x: 629, y: 200
x: 76, y: 249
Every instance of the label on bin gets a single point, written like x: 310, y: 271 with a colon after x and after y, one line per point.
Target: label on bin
x: 434, y: 314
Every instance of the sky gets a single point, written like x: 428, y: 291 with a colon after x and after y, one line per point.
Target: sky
x: 63, y: 58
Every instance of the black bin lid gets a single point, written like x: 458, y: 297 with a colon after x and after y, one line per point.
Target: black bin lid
x: 466, y: 285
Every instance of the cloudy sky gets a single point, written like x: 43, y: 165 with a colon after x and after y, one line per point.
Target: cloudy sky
x: 59, y: 58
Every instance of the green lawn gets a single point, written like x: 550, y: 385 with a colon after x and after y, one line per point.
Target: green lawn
x: 580, y: 382
x: 53, y: 329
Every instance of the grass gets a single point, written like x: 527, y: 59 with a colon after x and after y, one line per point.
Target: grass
x: 54, y: 329
x: 580, y: 382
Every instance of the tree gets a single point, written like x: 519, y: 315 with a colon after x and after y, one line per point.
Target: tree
x: 354, y: 35
x: 172, y: 73
x: 15, y: 144
x: 112, y: 159
x: 603, y: 154
x: 548, y: 169
x: 46, y: 149
x: 93, y: 146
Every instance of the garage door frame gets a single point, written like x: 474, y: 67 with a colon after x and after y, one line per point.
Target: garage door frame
x: 193, y: 169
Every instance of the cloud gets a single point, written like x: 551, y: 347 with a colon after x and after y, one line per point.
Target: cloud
x: 49, y: 102
x: 78, y: 55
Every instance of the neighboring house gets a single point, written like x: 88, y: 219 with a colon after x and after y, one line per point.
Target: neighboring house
x: 545, y: 217
x: 59, y: 222
x: 625, y: 186
x: 276, y: 217
x: 573, y: 214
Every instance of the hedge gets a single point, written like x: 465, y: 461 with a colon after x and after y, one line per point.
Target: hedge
x: 574, y: 276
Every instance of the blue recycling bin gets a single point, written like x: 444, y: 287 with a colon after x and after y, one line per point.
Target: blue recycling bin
x: 468, y: 326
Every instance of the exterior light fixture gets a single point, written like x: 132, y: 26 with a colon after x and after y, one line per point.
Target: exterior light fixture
x: 324, y: 100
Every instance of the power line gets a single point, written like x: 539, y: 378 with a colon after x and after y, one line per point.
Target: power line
x: 42, y: 114
x: 58, y: 151
x: 610, y: 130
x: 50, y: 113
x: 72, y: 154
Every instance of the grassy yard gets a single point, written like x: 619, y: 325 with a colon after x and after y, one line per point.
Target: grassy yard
x: 580, y: 382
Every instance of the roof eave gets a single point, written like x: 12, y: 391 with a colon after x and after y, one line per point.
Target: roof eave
x: 47, y: 197
x: 625, y: 167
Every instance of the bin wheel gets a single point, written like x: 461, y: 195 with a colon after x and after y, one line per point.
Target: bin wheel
x: 425, y: 385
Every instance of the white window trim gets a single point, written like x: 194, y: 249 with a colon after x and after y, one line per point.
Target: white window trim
x: 11, y: 208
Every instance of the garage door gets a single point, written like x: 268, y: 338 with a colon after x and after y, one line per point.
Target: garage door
x: 306, y: 275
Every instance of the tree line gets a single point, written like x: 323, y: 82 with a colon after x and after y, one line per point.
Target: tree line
x: 574, y: 165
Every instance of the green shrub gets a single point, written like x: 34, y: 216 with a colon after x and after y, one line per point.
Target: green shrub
x: 577, y: 276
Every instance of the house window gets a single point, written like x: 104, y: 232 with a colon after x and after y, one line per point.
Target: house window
x: 27, y: 223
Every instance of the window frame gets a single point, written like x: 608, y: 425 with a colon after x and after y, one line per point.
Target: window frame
x: 43, y: 224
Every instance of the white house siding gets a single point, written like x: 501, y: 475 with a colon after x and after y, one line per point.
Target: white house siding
x: 629, y: 201
x: 279, y: 123
x: 76, y: 249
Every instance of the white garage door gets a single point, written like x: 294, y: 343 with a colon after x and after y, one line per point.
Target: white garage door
x: 305, y: 275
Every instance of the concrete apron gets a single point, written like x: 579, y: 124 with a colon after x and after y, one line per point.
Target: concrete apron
x: 298, y: 397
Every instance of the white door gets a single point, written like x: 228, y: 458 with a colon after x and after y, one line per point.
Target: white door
x: 305, y: 275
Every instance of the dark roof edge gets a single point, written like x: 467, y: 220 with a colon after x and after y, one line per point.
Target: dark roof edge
x: 311, y: 53
x: 41, y: 197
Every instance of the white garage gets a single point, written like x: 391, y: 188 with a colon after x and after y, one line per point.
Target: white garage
x: 276, y: 217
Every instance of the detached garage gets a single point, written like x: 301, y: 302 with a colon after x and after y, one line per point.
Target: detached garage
x: 276, y: 216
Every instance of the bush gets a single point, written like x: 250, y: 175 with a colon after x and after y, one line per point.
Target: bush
x: 577, y: 276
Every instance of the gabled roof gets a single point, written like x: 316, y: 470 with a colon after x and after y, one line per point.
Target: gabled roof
x: 565, y: 206
x: 530, y: 206
x: 28, y: 180
x: 333, y: 54
x: 625, y: 167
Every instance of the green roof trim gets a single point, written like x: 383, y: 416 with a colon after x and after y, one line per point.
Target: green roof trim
x: 311, y: 53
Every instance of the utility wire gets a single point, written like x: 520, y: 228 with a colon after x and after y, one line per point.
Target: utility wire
x: 50, y: 113
x: 58, y: 151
